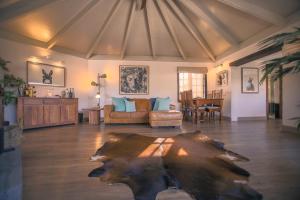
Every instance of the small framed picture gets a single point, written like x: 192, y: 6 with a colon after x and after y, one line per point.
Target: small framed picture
x: 222, y: 78
x: 134, y: 80
x: 250, y: 80
x: 45, y: 74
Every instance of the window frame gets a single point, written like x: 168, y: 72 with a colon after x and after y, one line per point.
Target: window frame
x: 204, y: 85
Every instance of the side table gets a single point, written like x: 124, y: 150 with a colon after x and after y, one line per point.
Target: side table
x: 94, y: 115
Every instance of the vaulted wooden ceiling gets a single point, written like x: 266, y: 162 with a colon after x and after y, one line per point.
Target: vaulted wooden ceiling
x: 183, y: 30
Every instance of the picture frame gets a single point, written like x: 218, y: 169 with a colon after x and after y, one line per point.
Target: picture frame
x: 249, y: 80
x: 222, y: 78
x: 45, y: 74
x: 133, y: 80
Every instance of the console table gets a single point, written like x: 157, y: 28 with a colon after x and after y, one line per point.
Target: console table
x: 43, y: 112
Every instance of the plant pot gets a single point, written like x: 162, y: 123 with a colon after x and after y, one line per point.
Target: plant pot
x: 6, y: 123
x: 10, y: 113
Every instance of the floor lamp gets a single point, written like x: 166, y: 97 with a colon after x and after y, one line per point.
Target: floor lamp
x: 98, y: 84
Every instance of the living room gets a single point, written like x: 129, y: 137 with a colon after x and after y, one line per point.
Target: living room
x: 165, y: 80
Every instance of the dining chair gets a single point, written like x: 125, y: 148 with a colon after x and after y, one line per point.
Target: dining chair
x: 191, y: 107
x: 183, y: 103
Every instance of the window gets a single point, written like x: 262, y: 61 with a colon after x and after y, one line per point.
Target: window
x: 192, y: 81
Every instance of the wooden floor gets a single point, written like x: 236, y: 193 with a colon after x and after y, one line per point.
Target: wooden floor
x: 56, y: 160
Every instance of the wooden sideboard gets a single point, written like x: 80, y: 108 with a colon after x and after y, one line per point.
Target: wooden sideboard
x: 43, y: 112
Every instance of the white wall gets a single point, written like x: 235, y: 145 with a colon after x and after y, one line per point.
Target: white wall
x: 76, y: 68
x: 291, y: 99
x: 211, y: 85
x: 244, y: 105
x: 163, y: 78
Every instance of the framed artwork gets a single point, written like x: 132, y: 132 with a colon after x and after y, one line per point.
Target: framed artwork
x: 134, y: 79
x: 250, y: 80
x: 222, y: 78
x: 45, y: 74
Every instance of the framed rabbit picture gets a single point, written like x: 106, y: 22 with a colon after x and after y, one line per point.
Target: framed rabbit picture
x: 45, y: 74
x: 250, y: 80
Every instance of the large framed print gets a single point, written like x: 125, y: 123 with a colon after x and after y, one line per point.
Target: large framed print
x: 45, y: 74
x: 250, y: 80
x: 134, y: 79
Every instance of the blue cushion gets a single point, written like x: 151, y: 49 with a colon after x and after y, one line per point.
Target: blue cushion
x: 152, y: 102
x: 130, y: 106
x: 165, y: 104
x: 155, y: 107
x: 119, y: 104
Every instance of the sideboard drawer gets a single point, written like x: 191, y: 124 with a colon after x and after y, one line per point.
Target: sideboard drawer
x: 69, y: 101
x: 52, y: 101
x: 29, y: 101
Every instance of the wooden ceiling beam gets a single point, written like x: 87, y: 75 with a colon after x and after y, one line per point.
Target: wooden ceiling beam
x: 72, y: 21
x: 255, y: 56
x: 201, y: 10
x: 191, y: 28
x: 140, y: 4
x: 255, y: 10
x: 128, y: 28
x: 161, y: 7
x: 148, y: 27
x: 21, y: 7
x: 30, y: 41
x: 107, y: 21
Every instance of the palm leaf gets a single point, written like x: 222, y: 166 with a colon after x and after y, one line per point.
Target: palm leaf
x: 274, y: 66
x: 281, y: 39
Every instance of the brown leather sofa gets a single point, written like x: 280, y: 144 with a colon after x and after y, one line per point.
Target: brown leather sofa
x: 143, y: 114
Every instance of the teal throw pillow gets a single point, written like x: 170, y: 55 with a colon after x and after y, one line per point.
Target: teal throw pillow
x: 119, y: 104
x: 157, y: 102
x: 164, y: 104
x: 130, y: 106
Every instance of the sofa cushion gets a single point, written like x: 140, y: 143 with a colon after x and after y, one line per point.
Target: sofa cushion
x: 130, y: 106
x: 164, y: 104
x: 152, y: 102
x: 156, y: 105
x: 139, y: 115
x: 142, y: 105
x: 120, y: 115
x: 165, y: 115
x: 119, y: 104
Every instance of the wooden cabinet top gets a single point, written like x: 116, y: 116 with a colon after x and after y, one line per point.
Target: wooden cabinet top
x: 44, y: 98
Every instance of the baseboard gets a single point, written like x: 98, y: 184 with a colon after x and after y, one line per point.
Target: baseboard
x: 289, y: 129
x: 263, y: 118
x: 226, y: 118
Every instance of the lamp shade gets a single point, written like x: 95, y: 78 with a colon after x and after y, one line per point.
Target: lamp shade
x: 98, y: 96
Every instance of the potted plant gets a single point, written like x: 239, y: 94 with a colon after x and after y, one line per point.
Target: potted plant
x: 10, y: 88
x: 289, y: 63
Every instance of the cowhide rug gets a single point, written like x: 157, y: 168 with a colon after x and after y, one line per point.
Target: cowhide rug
x: 192, y: 162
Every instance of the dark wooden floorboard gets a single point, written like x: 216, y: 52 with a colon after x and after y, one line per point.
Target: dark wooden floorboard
x: 56, y: 160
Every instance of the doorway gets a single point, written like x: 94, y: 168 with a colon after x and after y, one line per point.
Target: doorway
x: 274, y: 98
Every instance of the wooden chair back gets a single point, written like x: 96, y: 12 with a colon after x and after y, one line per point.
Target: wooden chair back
x: 209, y: 95
x: 183, y: 99
x: 189, y: 98
x: 217, y: 94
